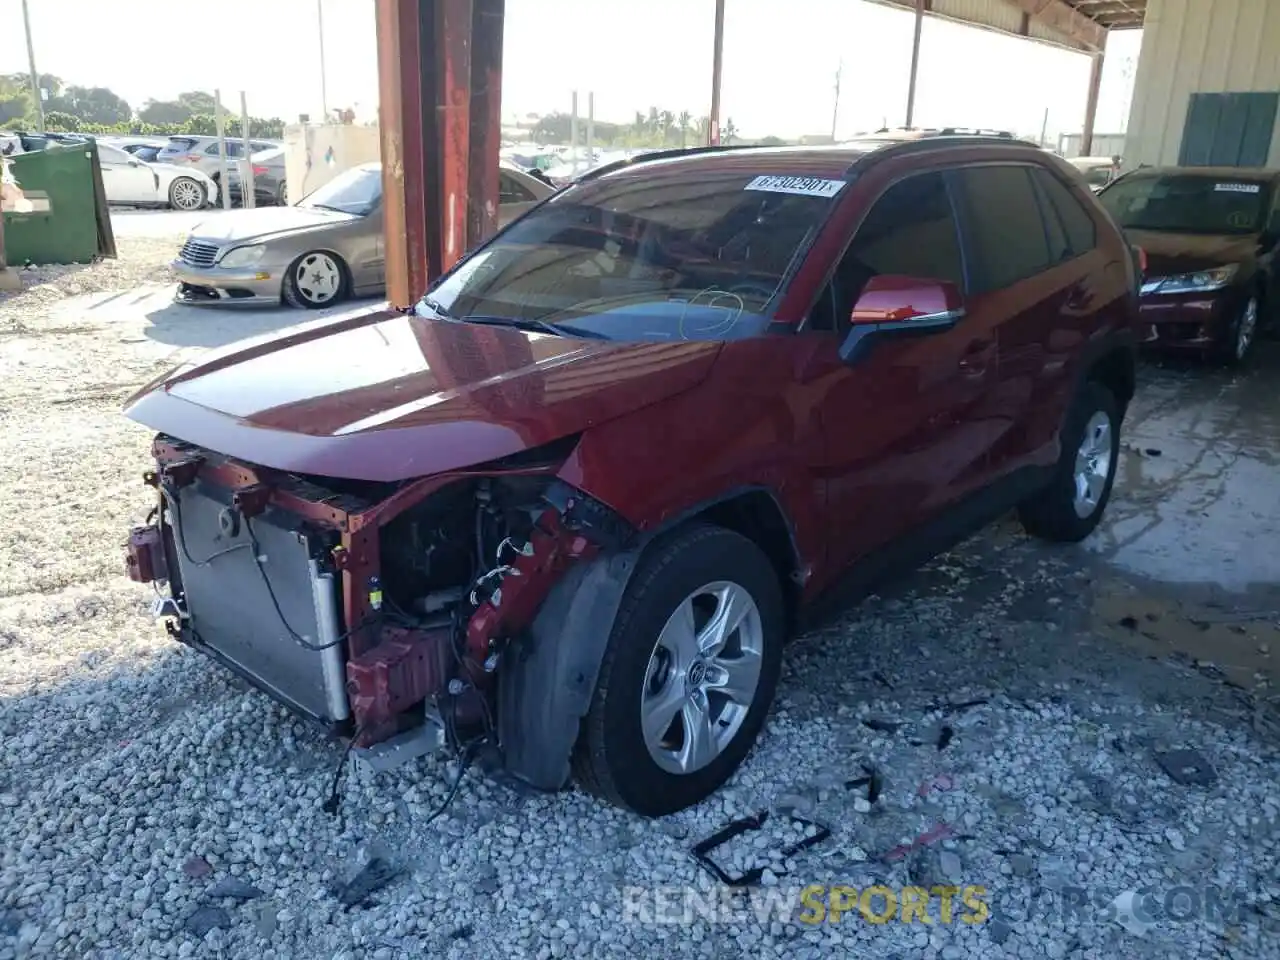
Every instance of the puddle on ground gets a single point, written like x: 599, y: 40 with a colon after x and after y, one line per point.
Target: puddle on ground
x: 1243, y: 644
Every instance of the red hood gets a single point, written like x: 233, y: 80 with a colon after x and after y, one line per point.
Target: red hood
x: 1169, y: 254
x: 384, y: 396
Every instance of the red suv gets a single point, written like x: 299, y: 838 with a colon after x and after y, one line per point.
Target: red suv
x: 569, y: 507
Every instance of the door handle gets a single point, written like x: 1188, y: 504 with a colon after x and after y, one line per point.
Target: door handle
x: 976, y: 356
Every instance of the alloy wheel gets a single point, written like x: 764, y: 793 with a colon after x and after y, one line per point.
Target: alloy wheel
x: 702, y: 677
x: 186, y: 194
x: 1246, y: 328
x: 1093, y: 464
x: 318, y: 278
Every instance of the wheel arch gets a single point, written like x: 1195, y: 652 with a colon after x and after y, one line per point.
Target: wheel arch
x: 1113, y: 363
x: 546, y: 685
x: 348, y: 278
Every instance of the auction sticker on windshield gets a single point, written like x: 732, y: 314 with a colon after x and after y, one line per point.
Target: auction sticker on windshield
x: 805, y: 186
x: 1237, y: 187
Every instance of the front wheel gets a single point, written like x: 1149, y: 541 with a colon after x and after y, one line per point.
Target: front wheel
x: 1070, y: 507
x: 315, y: 280
x: 688, y: 674
x: 1243, y: 333
x: 186, y: 194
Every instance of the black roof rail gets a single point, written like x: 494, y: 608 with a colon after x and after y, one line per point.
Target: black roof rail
x: 932, y: 143
x: 601, y: 170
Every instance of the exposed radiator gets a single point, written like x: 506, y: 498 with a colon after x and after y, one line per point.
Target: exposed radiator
x: 231, y: 609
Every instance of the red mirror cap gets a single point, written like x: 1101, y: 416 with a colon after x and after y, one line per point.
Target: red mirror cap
x: 1142, y: 260
x: 890, y: 299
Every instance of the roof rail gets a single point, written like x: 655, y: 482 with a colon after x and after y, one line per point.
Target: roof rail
x: 974, y: 132
x: 932, y: 143
x: 600, y: 171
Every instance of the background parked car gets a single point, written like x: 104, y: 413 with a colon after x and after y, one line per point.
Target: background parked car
x: 269, y: 187
x: 129, y: 181
x: 1210, y: 236
x: 316, y: 253
x: 1097, y: 171
x: 201, y: 153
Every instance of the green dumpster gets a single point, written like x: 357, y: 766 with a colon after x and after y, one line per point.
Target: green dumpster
x: 69, y: 222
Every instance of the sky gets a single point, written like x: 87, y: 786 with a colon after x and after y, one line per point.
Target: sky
x: 780, y: 61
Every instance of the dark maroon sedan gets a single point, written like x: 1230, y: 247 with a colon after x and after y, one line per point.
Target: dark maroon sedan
x: 1210, y: 235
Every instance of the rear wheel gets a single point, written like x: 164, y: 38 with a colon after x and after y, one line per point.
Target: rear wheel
x: 688, y: 675
x: 316, y: 279
x: 186, y: 194
x: 282, y: 194
x: 1070, y: 507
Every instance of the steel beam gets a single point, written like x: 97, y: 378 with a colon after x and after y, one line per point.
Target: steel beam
x: 717, y: 68
x: 915, y: 62
x: 439, y: 79
x: 1091, y: 105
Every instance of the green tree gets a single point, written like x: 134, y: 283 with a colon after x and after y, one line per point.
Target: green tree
x: 61, y: 122
x: 92, y: 105
x: 682, y: 123
x: 163, y: 111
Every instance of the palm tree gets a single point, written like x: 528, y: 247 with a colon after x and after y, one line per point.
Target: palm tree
x: 730, y: 130
x: 683, y: 121
x: 703, y: 128
x: 667, y: 121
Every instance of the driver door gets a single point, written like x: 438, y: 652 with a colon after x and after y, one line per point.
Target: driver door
x: 124, y: 179
x: 897, y: 430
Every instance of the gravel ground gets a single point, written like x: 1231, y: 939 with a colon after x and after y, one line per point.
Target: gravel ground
x: 975, y: 729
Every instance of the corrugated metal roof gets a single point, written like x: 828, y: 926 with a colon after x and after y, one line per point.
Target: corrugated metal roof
x: 1075, y: 24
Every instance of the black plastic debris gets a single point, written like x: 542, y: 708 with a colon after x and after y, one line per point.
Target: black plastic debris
x: 702, y: 850
x: 944, y: 736
x: 963, y: 705
x: 1187, y: 767
x: 234, y: 889
x: 375, y: 875
x: 882, y: 724
x: 206, y: 919
x: 1129, y: 623
x: 872, y: 779
x: 464, y: 932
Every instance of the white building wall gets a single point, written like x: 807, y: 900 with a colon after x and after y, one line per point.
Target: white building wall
x: 1199, y: 46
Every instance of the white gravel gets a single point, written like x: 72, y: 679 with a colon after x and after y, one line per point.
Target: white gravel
x: 139, y: 783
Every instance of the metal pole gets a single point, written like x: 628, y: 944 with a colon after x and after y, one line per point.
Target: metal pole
x: 717, y: 68
x: 1044, y: 127
x: 835, y: 107
x: 324, y: 92
x: 246, y: 173
x: 591, y: 128
x: 915, y: 62
x: 31, y: 63
x: 223, y: 179
x: 1091, y: 106
x: 573, y: 132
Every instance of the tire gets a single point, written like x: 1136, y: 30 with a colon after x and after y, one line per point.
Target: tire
x: 1244, y: 334
x: 316, y: 280
x: 282, y: 195
x: 1056, y: 513
x: 691, y: 571
x: 187, y: 194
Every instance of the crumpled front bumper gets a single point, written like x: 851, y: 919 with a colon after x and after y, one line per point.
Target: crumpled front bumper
x: 255, y: 286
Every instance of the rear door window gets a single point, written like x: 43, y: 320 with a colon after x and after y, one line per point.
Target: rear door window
x: 1006, y: 233
x: 178, y: 145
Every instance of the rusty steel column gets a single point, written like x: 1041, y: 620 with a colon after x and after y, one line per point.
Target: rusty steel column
x: 1091, y: 105
x: 717, y: 66
x: 486, y: 118
x: 915, y: 62
x: 439, y: 139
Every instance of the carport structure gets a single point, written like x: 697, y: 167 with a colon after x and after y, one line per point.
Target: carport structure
x: 1206, y: 90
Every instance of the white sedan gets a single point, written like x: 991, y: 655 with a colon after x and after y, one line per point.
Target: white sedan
x: 131, y: 182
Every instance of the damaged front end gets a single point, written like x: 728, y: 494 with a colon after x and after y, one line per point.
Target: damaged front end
x: 383, y: 611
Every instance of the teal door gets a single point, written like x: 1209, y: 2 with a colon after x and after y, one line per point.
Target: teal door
x: 1228, y: 129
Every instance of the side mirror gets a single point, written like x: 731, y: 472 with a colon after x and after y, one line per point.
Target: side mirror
x: 896, y: 306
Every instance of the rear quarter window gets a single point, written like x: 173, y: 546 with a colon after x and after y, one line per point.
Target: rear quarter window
x: 1003, y: 225
x: 1069, y: 210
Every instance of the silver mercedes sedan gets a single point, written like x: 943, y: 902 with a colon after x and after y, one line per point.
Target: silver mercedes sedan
x: 320, y: 251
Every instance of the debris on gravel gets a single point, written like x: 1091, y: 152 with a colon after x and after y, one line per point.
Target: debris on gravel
x: 1051, y: 823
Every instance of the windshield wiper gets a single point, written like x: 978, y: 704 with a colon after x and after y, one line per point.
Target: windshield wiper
x: 535, y: 326
x: 435, y: 307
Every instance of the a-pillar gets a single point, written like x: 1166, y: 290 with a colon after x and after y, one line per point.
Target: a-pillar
x: 1091, y: 105
x: 440, y: 89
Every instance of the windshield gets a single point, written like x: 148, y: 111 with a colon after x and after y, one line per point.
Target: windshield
x: 358, y: 191
x: 1187, y: 203
x: 644, y: 257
